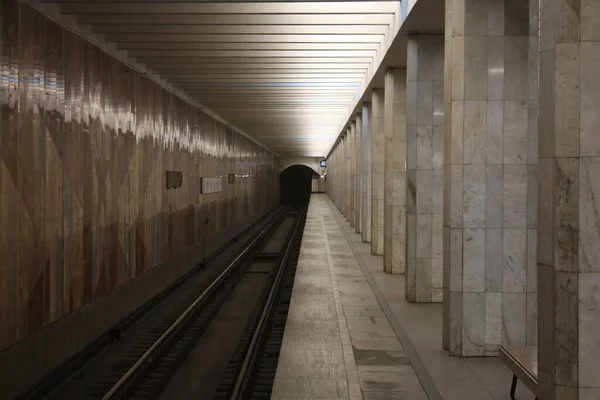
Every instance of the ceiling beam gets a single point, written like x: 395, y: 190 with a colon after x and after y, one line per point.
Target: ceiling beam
x: 235, y: 68
x: 275, y: 58
x: 241, y: 19
x: 305, y: 54
x: 243, y: 29
x: 165, y: 7
x: 268, y: 77
x: 224, y: 38
x: 282, y: 81
x: 157, y: 48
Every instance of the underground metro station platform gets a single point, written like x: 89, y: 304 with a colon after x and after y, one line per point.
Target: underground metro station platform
x: 300, y: 199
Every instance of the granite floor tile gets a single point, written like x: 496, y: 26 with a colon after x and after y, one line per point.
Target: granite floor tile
x: 398, y: 378
x: 310, y: 387
x: 380, y: 357
x: 362, y: 311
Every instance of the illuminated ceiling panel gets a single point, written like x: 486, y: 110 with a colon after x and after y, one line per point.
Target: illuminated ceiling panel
x: 286, y: 73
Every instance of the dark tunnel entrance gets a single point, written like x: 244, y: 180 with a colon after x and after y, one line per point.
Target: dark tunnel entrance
x: 295, y: 185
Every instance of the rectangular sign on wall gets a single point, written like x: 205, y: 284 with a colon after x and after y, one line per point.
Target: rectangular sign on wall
x: 173, y: 179
x: 211, y: 185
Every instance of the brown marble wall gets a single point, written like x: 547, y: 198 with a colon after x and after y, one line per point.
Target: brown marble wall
x: 85, y: 143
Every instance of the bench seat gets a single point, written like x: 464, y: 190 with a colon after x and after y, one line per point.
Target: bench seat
x: 522, y: 361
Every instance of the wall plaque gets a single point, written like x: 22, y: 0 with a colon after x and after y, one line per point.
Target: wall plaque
x: 173, y: 179
x: 210, y: 185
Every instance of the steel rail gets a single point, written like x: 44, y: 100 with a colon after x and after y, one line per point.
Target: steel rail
x: 240, y: 387
x: 147, y: 357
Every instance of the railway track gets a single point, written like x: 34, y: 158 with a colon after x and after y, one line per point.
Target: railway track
x: 251, y: 371
x: 200, y: 330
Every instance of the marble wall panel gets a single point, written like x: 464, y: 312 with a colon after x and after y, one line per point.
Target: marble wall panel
x: 84, y: 145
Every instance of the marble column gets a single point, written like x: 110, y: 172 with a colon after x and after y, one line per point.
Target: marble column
x: 332, y: 166
x: 348, y: 176
x: 394, y: 199
x: 366, y: 173
x: 358, y: 177
x: 377, y: 170
x: 425, y: 168
x: 336, y: 174
x: 569, y: 200
x: 340, y: 172
x: 344, y: 174
x: 352, y: 159
x: 490, y: 178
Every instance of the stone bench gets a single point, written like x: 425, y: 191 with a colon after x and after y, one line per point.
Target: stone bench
x: 522, y: 361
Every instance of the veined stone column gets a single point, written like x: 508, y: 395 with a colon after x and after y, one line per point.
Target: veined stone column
x: 352, y: 182
x: 332, y: 175
x: 425, y: 168
x: 358, y: 176
x: 344, y: 174
x: 348, y: 175
x: 569, y: 200
x: 394, y: 200
x: 377, y: 170
x: 338, y: 171
x: 490, y: 178
x: 366, y: 173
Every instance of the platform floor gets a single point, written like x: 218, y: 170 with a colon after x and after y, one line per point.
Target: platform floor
x: 351, y: 334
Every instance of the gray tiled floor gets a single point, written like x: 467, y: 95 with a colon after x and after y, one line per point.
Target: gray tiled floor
x: 339, y: 343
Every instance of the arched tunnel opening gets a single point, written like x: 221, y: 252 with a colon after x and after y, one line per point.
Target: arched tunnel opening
x: 295, y: 185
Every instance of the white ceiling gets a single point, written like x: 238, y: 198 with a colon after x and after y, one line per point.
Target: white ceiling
x: 287, y: 73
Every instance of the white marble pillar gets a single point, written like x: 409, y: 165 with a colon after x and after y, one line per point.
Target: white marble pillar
x: 340, y: 172
x: 569, y: 200
x: 425, y: 168
x: 352, y: 159
x: 336, y: 176
x: 490, y: 178
x: 348, y: 176
x: 394, y: 200
x: 358, y: 177
x: 377, y: 170
x: 332, y: 166
x: 344, y: 174
x: 331, y: 175
x: 366, y: 173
